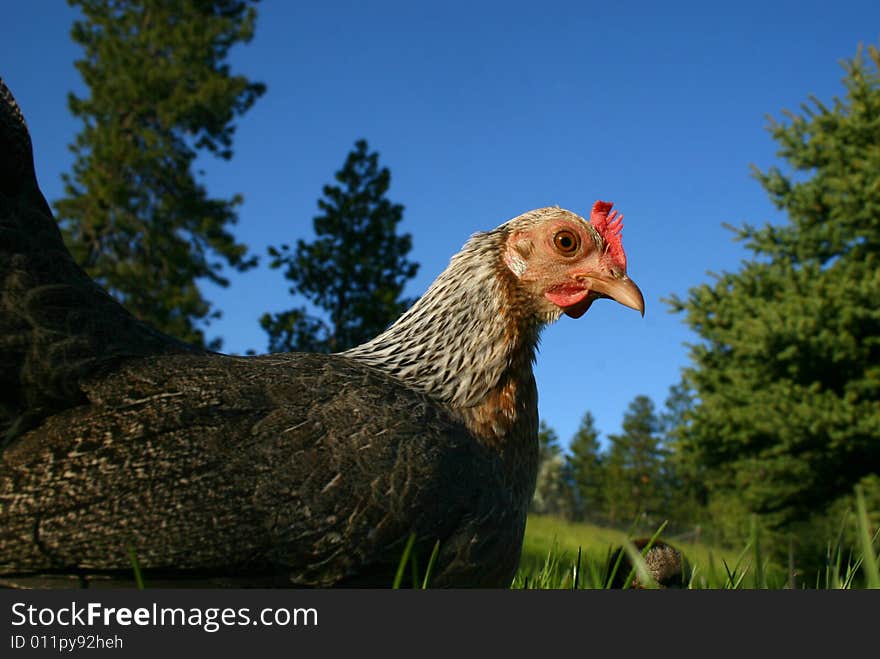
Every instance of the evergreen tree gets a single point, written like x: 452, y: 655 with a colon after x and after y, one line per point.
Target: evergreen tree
x: 787, y: 372
x: 355, y: 269
x: 682, y: 478
x: 634, y: 484
x: 586, y: 468
x: 548, y: 442
x: 134, y: 215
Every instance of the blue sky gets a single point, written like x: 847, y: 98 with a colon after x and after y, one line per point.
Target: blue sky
x: 485, y: 110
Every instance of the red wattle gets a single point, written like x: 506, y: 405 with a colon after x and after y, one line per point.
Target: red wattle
x: 564, y: 297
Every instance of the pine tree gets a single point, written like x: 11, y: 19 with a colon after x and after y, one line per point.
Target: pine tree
x: 787, y: 370
x: 586, y: 468
x: 548, y: 442
x: 683, y: 479
x: 134, y: 215
x: 635, y: 466
x: 354, y: 271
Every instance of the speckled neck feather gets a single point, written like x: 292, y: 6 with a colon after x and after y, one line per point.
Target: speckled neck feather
x: 469, y: 341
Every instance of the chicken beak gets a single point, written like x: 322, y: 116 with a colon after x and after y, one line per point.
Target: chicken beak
x: 621, y: 289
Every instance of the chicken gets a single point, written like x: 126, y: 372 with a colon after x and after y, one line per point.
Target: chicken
x: 665, y: 564
x: 284, y: 469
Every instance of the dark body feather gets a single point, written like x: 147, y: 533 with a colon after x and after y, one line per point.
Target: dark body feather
x: 284, y: 470
x: 309, y: 469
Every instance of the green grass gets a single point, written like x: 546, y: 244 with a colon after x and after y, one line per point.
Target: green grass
x: 551, y: 546
x: 409, y: 558
x: 559, y: 554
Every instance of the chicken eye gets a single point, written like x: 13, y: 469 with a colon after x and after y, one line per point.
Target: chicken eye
x: 566, y: 242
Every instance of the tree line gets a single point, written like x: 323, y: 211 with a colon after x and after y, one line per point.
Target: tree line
x: 776, y: 416
x: 630, y: 480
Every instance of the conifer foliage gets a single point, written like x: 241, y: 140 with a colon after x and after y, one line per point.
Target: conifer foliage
x: 786, y: 375
x: 135, y: 215
x: 355, y: 269
x: 586, y: 467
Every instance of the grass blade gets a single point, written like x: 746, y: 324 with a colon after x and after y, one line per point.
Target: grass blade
x: 869, y: 559
x: 404, y: 559
x: 431, y: 562
x: 612, y: 573
x: 136, y: 566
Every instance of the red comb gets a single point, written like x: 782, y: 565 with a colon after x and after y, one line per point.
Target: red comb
x: 609, y: 227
